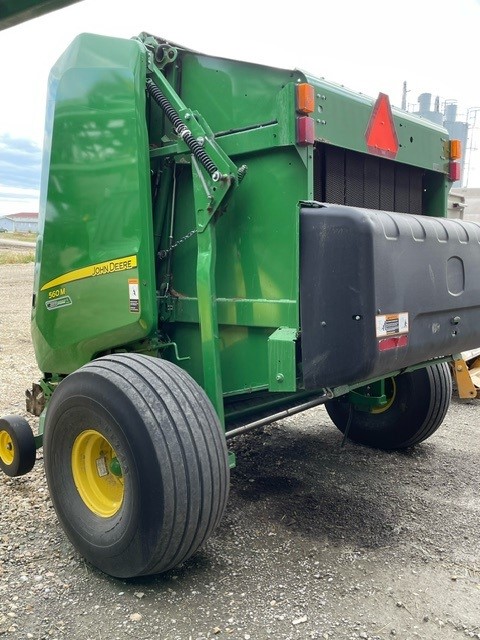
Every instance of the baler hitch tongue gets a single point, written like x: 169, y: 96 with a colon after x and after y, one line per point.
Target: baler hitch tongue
x: 35, y: 400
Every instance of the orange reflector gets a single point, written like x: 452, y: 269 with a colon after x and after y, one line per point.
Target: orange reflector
x: 305, y: 98
x: 305, y: 130
x: 454, y: 171
x: 455, y: 149
x: 381, y: 137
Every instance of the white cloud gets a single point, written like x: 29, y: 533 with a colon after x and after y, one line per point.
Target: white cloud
x: 25, y: 203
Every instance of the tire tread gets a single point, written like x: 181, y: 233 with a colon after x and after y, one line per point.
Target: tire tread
x: 189, y: 444
x: 386, y: 430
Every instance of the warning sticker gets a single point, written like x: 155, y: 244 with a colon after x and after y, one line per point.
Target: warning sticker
x: 134, y: 296
x: 101, y: 467
x: 391, y: 324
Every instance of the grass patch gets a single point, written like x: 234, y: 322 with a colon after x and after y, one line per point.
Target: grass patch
x: 24, y: 237
x: 16, y: 257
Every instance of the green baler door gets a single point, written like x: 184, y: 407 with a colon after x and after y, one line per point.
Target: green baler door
x: 94, y: 279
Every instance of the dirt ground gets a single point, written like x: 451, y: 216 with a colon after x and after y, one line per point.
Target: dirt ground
x: 318, y: 541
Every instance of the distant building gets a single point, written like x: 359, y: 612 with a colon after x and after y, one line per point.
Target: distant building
x: 23, y: 222
x: 471, y: 196
x: 456, y: 204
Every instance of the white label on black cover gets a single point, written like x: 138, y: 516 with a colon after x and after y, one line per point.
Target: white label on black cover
x: 391, y: 324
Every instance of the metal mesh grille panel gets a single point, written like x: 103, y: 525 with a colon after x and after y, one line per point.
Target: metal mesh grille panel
x: 355, y: 179
x: 387, y: 186
x: 334, y: 173
x: 371, y: 193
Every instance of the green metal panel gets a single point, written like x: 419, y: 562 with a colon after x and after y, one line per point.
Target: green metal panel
x: 231, y: 94
x: 249, y: 94
x: 251, y: 108
x: 436, y: 195
x: 282, y: 365
x: 342, y: 117
x: 258, y: 267
x: 240, y: 312
x: 95, y: 247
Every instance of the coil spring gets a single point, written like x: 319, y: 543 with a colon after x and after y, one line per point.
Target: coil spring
x: 241, y: 173
x: 181, y: 129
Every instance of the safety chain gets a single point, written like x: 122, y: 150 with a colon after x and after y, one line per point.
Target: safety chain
x: 165, y: 252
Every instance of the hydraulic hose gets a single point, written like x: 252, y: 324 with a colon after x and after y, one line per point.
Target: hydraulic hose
x: 182, y: 130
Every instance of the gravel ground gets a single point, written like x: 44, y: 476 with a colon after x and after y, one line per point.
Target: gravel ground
x: 317, y: 542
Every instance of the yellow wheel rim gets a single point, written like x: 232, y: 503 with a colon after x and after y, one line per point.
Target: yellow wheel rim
x: 391, y: 391
x: 7, y: 449
x: 93, y: 459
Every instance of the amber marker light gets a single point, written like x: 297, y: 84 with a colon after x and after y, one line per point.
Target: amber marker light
x: 305, y: 98
x: 455, y: 149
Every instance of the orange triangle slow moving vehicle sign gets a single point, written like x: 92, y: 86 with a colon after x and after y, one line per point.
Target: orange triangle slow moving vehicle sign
x: 381, y: 137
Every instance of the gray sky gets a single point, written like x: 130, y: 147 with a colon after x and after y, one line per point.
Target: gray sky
x: 368, y: 46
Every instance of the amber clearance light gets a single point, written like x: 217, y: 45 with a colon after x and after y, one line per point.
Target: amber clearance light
x: 455, y: 149
x: 305, y: 98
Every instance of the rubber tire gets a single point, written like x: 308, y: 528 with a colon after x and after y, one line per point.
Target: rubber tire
x: 173, y: 456
x: 23, y: 446
x: 421, y: 401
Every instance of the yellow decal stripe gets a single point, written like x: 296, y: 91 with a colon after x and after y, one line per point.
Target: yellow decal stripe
x: 99, y: 269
